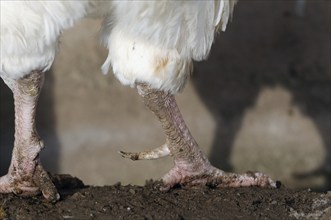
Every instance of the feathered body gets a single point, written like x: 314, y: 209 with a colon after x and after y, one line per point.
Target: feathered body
x: 152, y: 42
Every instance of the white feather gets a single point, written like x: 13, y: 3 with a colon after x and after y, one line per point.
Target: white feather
x: 29, y: 33
x: 155, y: 41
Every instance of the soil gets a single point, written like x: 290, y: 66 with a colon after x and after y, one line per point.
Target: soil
x: 147, y: 202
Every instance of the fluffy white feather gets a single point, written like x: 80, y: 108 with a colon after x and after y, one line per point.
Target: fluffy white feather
x: 29, y: 33
x: 155, y: 41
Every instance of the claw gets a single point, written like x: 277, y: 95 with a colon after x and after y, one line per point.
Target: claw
x: 46, y: 185
x: 129, y: 155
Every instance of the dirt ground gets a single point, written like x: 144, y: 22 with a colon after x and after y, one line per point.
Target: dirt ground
x: 147, y: 202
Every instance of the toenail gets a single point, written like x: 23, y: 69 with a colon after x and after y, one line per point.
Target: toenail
x: 17, y: 191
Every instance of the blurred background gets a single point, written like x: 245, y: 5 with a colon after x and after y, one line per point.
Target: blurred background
x: 260, y: 102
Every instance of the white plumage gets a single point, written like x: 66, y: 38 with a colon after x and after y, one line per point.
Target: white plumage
x: 151, y: 46
x: 30, y: 31
x: 156, y: 41
x: 148, y: 41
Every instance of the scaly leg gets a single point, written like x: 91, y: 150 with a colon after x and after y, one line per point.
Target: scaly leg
x: 191, y: 165
x: 26, y: 176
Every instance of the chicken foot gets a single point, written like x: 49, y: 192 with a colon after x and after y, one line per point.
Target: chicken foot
x: 191, y: 166
x: 26, y: 175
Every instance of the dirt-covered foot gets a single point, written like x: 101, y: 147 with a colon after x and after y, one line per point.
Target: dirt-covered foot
x: 29, y: 184
x: 215, y: 178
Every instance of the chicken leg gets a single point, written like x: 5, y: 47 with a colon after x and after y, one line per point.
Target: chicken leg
x: 191, y: 166
x: 26, y: 176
